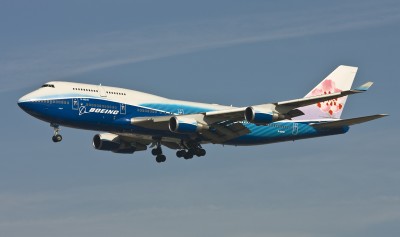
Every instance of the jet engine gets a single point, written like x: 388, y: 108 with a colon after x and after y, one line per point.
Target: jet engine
x: 185, y: 125
x: 112, y: 142
x: 261, y: 116
x: 106, y: 142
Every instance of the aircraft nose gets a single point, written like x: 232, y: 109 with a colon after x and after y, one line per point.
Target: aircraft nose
x: 23, y: 102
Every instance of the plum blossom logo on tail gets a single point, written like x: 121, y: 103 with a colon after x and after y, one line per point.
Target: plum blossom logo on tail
x: 330, y: 106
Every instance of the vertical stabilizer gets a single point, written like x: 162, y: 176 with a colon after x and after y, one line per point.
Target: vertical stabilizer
x: 340, y: 79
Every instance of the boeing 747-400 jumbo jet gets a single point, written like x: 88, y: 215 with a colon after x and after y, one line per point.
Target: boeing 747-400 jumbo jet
x: 131, y: 120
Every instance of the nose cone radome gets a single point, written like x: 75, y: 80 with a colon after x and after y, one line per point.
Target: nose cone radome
x: 26, y: 102
x: 23, y: 103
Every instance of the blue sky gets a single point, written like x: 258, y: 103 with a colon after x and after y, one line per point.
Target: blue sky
x: 241, y: 53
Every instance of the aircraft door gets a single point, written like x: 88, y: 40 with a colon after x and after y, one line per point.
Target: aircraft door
x: 102, y: 91
x: 75, y: 103
x: 295, y: 128
x: 122, y: 109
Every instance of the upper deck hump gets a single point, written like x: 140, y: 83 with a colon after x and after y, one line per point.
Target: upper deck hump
x: 109, y: 91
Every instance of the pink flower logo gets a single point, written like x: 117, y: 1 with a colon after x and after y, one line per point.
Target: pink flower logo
x: 329, y: 106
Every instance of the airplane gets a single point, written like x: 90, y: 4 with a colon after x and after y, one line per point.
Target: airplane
x: 131, y: 121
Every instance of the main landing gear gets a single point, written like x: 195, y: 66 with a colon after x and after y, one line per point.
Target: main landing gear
x: 158, y: 153
x: 190, y: 149
x: 56, y: 137
x: 189, y: 153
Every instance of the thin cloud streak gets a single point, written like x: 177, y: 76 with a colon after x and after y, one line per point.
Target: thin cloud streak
x: 64, y: 59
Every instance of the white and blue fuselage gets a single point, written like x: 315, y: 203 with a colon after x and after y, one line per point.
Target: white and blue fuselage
x: 111, y: 109
x: 133, y: 120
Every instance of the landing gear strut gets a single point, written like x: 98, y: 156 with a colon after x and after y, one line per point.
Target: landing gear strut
x: 158, y: 153
x: 56, y: 137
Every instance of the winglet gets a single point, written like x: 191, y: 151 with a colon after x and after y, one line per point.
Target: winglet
x: 364, y: 87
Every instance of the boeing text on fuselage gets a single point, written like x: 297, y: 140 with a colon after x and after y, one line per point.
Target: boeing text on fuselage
x: 83, y: 110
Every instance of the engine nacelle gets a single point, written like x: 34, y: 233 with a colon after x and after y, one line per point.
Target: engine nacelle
x: 106, y: 142
x: 112, y: 142
x: 127, y: 150
x: 185, y: 125
x: 261, y: 116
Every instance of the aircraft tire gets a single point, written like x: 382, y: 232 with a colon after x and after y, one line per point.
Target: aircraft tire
x: 57, y: 138
x: 180, y: 153
x: 202, y: 152
x: 188, y: 155
x: 156, y: 151
x: 161, y: 158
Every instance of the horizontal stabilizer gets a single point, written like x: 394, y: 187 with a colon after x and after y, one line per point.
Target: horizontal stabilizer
x: 347, y: 122
x: 321, y: 98
x: 365, y: 86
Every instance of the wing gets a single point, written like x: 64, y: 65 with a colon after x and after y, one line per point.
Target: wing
x: 223, y: 125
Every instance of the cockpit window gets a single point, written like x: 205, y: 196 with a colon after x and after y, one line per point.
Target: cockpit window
x: 48, y: 85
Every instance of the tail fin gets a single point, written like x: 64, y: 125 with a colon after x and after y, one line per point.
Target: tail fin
x: 340, y: 79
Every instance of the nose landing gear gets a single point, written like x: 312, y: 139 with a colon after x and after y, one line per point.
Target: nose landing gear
x: 56, y: 137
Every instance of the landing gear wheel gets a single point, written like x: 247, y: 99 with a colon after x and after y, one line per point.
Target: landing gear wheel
x: 156, y: 151
x: 201, y: 152
x: 180, y: 153
x: 57, y: 138
x: 161, y: 158
x: 192, y: 151
x: 188, y: 155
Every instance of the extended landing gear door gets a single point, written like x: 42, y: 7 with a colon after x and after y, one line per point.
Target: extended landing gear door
x: 102, y: 92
